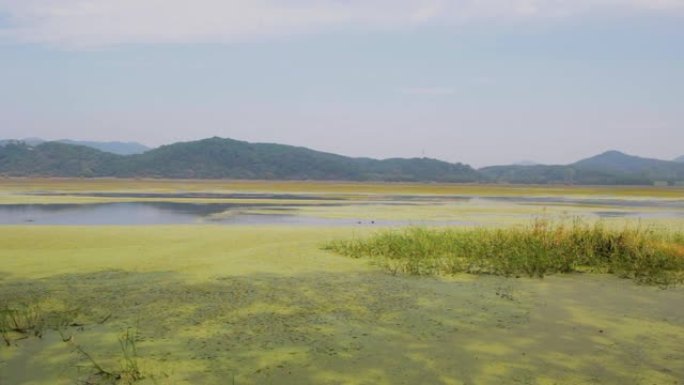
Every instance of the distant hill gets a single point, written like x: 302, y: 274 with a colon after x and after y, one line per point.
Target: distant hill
x: 611, y: 167
x: 54, y: 159
x: 217, y: 158
x: 680, y: 159
x: 616, y: 161
x: 620, y: 167
x: 120, y: 148
x: 29, y: 141
x: 534, y: 174
x: 526, y: 163
x: 223, y: 158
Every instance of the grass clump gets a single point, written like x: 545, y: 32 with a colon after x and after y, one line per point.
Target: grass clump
x: 24, y: 321
x: 21, y: 321
x: 129, y: 370
x: 543, y: 247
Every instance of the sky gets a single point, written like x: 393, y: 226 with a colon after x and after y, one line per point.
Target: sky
x: 481, y: 82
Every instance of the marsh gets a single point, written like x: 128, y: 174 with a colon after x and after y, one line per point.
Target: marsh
x: 262, y: 303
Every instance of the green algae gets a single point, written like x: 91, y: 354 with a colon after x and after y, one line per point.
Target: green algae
x: 265, y: 305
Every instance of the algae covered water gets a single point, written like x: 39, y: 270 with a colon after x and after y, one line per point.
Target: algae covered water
x: 152, y: 286
x: 265, y: 305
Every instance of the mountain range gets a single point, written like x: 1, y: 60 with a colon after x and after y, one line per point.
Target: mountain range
x: 608, y: 168
x: 219, y: 158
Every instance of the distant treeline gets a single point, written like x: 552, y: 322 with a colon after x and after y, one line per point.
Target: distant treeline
x: 217, y: 158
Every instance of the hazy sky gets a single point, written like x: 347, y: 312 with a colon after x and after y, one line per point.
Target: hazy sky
x: 478, y: 81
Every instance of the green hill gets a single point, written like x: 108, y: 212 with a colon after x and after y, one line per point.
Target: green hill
x: 54, y: 159
x: 535, y: 174
x: 619, y: 168
x: 608, y: 168
x: 616, y: 161
x: 217, y: 158
x: 222, y: 158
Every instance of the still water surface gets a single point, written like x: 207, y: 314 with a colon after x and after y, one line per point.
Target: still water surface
x: 282, y: 213
x: 170, y: 213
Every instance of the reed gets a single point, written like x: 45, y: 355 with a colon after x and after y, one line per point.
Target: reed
x: 543, y: 247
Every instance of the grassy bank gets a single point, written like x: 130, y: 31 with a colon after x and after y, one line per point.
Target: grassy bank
x: 544, y: 247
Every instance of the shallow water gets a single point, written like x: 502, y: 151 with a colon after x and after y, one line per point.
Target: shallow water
x: 255, y: 208
x: 173, y: 213
x: 107, y: 213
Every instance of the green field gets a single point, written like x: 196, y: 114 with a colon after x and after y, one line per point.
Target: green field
x: 224, y: 304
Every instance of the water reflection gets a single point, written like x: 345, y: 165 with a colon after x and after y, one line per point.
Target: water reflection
x: 147, y: 213
x: 282, y: 209
x: 166, y: 213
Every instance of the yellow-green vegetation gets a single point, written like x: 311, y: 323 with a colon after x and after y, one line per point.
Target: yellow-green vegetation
x: 207, y: 304
x: 128, y: 372
x: 474, y: 212
x: 18, y: 185
x: 24, y: 321
x: 262, y: 305
x: 21, y: 321
x: 545, y: 247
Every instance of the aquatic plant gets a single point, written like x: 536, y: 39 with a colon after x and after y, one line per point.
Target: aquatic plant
x: 23, y: 320
x: 543, y: 247
x: 129, y: 371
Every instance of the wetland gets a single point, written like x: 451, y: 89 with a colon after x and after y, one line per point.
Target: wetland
x: 135, y: 208
x: 231, y: 282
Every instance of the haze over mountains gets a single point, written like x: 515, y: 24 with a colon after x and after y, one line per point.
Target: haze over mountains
x: 120, y: 148
x: 228, y: 158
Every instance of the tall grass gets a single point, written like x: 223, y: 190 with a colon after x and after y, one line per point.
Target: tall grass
x: 543, y: 247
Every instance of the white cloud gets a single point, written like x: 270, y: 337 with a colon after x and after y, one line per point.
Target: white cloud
x: 94, y: 23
